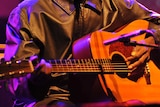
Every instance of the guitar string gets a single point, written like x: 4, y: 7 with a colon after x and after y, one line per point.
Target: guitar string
x: 88, y: 65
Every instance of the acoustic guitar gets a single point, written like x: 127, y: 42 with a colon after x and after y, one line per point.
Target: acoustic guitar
x: 146, y: 88
x: 91, y: 54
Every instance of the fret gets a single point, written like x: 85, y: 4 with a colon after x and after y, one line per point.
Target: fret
x: 86, y: 65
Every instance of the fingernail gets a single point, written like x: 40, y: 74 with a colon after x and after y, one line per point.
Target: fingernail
x: 130, y: 67
x: 133, y: 53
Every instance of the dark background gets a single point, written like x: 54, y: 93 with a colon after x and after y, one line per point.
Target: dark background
x: 5, y: 8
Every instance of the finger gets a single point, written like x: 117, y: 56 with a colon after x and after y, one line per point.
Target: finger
x: 133, y: 53
x: 42, y: 63
x: 140, y: 52
x: 137, y: 53
x: 48, y: 68
x: 40, y: 66
x: 141, y: 61
x: 45, y: 67
x: 132, y: 56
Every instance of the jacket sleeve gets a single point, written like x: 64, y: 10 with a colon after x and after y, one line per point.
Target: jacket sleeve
x: 21, y: 44
x: 133, y: 10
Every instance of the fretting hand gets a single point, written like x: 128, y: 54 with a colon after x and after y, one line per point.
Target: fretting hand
x: 44, y: 67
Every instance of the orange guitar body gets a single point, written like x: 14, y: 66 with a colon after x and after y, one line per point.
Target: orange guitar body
x: 122, y: 88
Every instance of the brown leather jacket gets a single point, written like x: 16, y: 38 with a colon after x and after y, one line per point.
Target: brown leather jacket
x: 48, y: 28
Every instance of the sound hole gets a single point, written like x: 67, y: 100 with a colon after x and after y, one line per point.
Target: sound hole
x: 119, y: 59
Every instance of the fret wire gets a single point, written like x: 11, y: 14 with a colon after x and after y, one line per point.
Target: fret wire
x: 56, y: 63
x: 72, y: 62
x: 79, y: 63
x: 90, y: 64
x: 66, y: 62
x: 110, y: 65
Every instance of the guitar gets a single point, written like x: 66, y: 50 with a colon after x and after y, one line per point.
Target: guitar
x: 91, y: 55
x: 123, y: 88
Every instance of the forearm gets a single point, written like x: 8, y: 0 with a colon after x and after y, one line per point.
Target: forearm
x: 143, y: 13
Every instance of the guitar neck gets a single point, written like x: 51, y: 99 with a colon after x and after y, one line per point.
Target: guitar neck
x: 88, y: 65
x: 62, y: 66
